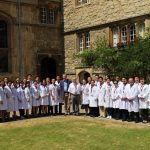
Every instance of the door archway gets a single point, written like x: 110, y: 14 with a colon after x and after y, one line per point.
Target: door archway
x: 83, y: 75
x: 48, y: 68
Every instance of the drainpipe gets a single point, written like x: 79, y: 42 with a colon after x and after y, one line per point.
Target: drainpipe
x: 19, y: 41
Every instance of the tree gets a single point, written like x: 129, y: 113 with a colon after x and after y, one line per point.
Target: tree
x: 131, y: 60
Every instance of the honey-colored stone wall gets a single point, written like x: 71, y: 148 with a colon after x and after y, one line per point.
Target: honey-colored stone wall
x: 101, y: 12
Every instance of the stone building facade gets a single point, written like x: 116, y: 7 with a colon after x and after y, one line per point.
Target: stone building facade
x: 119, y: 21
x: 31, y: 39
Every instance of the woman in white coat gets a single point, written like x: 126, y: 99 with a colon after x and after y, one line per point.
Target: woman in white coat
x: 54, y: 97
x: 21, y: 100
x: 9, y: 97
x: 28, y: 98
x: 15, y: 99
x: 61, y: 94
x: 101, y: 92
x: 93, y: 99
x: 3, y: 101
x: 116, y: 97
x: 123, y: 106
x: 44, y: 93
x: 143, y: 93
x: 35, y: 98
x: 85, y: 96
x: 108, y: 104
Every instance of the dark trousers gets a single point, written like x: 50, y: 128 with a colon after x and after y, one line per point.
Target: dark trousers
x: 21, y: 112
x: 125, y: 114
x: 116, y: 113
x: 40, y: 110
x: 109, y: 111
x: 54, y: 110
x: 60, y: 108
x: 134, y: 116
x: 131, y: 116
x: 94, y: 112
x: 144, y: 114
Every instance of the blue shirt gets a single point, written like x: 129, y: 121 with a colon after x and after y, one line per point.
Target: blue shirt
x: 65, y: 86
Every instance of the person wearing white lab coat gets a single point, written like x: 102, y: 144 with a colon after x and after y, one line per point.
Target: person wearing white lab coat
x: 89, y: 79
x: 3, y: 101
x: 116, y: 97
x: 133, y: 102
x: 15, y: 99
x: 143, y: 93
x: 108, y: 103
x: 101, y: 92
x: 54, y: 97
x: 123, y: 106
x: 21, y: 100
x: 44, y: 93
x: 93, y: 99
x: 96, y: 79
x: 61, y: 95
x: 9, y: 97
x: 48, y: 83
x: 85, y: 95
x: 28, y: 98
x: 35, y: 98
x: 117, y: 78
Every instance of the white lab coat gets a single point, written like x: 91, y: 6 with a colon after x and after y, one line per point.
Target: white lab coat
x: 61, y: 97
x: 101, y: 93
x: 54, y: 90
x: 107, y: 96
x: 28, y: 97
x: 9, y: 97
x: 35, y: 96
x: 123, y: 102
x: 21, y: 98
x: 116, y: 97
x: 85, y: 94
x: 132, y: 94
x: 143, y: 91
x: 93, y: 96
x: 15, y: 98
x: 44, y: 93
x: 3, y: 99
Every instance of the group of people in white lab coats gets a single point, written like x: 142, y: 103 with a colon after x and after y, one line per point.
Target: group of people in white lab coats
x: 124, y: 99
x: 128, y: 100
x: 28, y: 97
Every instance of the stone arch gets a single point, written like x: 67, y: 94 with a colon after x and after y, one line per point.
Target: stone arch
x: 83, y: 75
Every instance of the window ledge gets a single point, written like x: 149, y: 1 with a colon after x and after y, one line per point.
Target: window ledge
x: 47, y: 25
x: 82, y: 5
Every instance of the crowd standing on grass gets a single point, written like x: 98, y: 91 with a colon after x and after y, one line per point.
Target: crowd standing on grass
x: 127, y: 100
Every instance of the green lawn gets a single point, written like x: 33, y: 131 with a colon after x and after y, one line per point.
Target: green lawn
x: 73, y: 133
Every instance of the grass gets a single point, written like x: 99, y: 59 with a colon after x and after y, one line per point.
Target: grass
x: 73, y: 133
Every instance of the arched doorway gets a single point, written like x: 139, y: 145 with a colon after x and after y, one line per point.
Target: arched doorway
x: 48, y: 68
x: 83, y: 75
x: 3, y: 46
